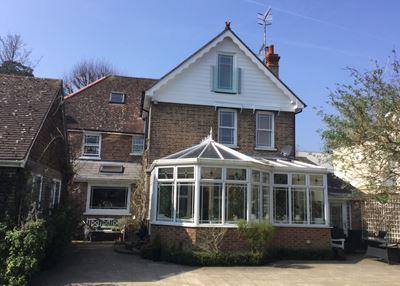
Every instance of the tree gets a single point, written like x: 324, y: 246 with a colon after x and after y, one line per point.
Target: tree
x: 364, y: 132
x: 85, y: 72
x: 14, y: 56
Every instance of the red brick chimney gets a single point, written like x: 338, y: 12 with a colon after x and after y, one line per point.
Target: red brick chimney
x: 272, y: 60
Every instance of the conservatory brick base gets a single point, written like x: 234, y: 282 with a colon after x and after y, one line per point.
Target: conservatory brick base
x: 185, y: 238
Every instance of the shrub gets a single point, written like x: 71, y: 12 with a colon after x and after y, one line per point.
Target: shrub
x: 26, y: 249
x: 3, y: 253
x: 152, y: 250
x: 257, y: 234
x: 60, y: 224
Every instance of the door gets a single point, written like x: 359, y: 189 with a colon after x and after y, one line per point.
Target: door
x: 339, y: 216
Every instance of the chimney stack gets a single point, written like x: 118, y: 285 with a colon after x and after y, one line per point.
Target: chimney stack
x: 272, y: 60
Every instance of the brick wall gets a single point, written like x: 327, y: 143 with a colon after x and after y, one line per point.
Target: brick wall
x: 178, y: 126
x: 114, y: 147
x: 185, y: 238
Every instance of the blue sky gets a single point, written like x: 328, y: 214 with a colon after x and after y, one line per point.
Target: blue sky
x: 316, y: 39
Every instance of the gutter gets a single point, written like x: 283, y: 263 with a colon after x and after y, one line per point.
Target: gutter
x: 12, y: 163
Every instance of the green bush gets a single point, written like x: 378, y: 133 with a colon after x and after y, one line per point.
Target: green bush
x: 203, y: 258
x: 3, y: 253
x: 152, y: 250
x: 60, y: 224
x: 26, y: 249
x: 257, y: 234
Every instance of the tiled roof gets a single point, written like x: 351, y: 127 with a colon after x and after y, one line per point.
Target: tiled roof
x: 24, y: 103
x: 89, y: 108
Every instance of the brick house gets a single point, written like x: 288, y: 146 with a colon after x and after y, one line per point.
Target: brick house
x: 245, y: 167
x: 106, y: 137
x: 33, y: 161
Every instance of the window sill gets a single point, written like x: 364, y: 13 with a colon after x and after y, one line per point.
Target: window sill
x: 136, y: 154
x: 89, y: 158
x: 225, y: 91
x: 266, y: 149
x: 301, y: 225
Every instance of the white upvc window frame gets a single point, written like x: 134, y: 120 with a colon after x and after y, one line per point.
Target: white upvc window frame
x: 272, y: 130
x: 307, y: 186
x: 90, y: 211
x: 53, y: 202
x: 88, y: 156
x: 226, y: 54
x: 235, y: 127
x: 39, y: 198
x: 136, y: 153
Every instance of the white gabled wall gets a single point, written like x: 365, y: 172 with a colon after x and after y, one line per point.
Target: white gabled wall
x: 194, y: 84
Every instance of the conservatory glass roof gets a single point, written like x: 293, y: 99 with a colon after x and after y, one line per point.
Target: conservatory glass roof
x: 208, y: 149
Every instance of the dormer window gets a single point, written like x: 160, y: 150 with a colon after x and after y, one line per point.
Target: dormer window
x: 226, y: 78
x: 117, y: 97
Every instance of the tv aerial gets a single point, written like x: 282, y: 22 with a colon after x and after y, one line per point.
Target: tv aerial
x: 264, y: 20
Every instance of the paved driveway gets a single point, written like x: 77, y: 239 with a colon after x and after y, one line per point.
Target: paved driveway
x: 98, y: 264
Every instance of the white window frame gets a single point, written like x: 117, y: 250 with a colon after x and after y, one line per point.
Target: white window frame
x: 86, y: 156
x: 39, y: 198
x: 234, y: 145
x: 90, y: 211
x: 265, y: 147
x: 133, y: 144
x: 53, y: 193
x: 117, y: 92
x: 229, y: 90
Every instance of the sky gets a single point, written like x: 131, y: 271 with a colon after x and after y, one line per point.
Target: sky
x: 316, y: 39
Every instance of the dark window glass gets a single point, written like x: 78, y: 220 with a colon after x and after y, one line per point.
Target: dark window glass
x: 109, y: 198
x: 280, y: 179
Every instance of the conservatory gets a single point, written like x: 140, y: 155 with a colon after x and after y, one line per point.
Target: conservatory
x: 211, y: 185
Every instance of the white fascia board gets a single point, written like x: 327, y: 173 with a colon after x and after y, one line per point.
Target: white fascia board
x: 12, y: 163
x: 226, y: 34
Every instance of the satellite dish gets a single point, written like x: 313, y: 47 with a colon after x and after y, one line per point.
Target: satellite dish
x: 286, y: 150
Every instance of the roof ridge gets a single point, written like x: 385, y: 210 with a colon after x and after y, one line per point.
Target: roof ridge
x: 133, y: 77
x: 86, y: 87
x: 30, y: 77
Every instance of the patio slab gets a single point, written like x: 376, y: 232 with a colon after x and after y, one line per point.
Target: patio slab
x: 97, y: 264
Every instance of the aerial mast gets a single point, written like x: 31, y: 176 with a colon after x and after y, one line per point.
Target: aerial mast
x: 264, y: 20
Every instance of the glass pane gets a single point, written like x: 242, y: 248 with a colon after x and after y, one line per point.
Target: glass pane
x: 317, y: 206
x: 281, y: 179
x: 255, y: 202
x: 138, y: 149
x: 264, y: 138
x: 108, y: 198
x: 185, y: 203
x: 138, y: 140
x: 166, y: 173
x: 92, y: 139
x: 235, y: 202
x: 264, y: 121
x: 225, y: 71
x: 236, y: 174
x: 210, y: 203
x: 299, y: 206
x: 265, y: 178
x: 164, y: 202
x: 265, y: 203
x: 226, y: 136
x: 211, y: 173
x: 91, y: 150
x: 316, y: 180
x: 298, y: 179
x: 255, y: 176
x: 185, y: 172
x: 117, y: 97
x: 227, y: 118
x: 281, y: 205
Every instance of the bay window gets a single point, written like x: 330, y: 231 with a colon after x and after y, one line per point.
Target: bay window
x: 227, y: 127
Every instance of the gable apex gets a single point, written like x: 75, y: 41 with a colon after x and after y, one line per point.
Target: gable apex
x: 295, y: 101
